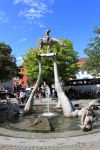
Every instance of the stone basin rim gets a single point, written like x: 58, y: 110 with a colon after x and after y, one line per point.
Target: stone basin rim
x: 65, y: 134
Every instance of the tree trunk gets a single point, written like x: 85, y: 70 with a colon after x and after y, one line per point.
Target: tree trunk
x: 29, y: 105
x: 63, y: 101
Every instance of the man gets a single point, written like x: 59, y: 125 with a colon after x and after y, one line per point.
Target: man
x: 22, y: 96
x: 8, y: 98
x: 47, y: 32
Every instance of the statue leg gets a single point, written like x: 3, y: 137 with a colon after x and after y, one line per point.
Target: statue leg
x: 48, y: 50
x: 40, y: 47
x: 29, y: 105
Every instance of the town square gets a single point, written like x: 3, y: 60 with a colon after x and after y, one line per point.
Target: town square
x: 49, y: 75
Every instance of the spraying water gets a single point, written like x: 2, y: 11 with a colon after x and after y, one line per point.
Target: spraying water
x: 48, y: 113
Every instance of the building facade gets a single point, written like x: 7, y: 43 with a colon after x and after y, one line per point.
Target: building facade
x: 22, y: 81
x: 82, y: 74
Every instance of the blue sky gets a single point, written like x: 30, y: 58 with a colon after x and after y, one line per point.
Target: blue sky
x: 23, y: 22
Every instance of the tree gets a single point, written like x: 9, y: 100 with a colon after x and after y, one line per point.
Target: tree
x: 67, y: 58
x: 93, y: 52
x: 7, y: 62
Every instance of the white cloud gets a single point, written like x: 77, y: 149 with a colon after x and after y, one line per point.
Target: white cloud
x: 3, y: 17
x: 28, y: 2
x: 34, y: 9
x: 30, y: 14
x: 23, y: 39
x: 19, y: 60
x: 17, y: 1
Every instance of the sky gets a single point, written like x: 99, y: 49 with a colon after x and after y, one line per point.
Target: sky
x: 23, y: 22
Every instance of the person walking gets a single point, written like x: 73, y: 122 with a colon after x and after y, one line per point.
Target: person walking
x: 21, y: 97
x: 8, y: 98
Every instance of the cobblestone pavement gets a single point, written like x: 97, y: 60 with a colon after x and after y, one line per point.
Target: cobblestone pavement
x: 9, y: 147
x: 86, y: 142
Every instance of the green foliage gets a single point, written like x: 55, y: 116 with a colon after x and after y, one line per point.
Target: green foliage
x: 93, y: 52
x: 67, y: 58
x: 7, y: 62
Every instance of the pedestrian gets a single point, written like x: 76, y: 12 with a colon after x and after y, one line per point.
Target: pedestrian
x: 22, y: 97
x: 8, y: 98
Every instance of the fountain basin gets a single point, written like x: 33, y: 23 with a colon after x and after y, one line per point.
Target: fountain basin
x: 53, y: 123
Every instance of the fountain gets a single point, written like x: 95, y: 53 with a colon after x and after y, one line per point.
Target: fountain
x: 34, y: 119
x: 48, y: 113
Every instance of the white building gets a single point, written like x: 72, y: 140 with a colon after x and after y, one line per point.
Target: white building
x: 83, y: 74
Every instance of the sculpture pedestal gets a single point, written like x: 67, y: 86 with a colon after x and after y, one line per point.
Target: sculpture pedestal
x: 47, y: 55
